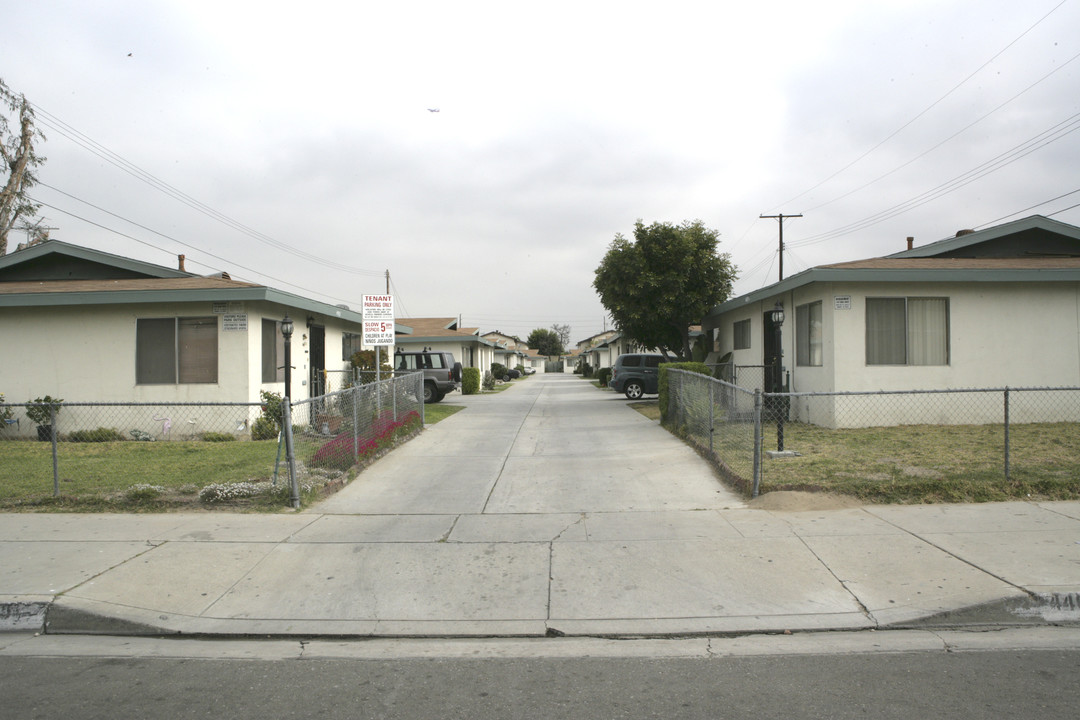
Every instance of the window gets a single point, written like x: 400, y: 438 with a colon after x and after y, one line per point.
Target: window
x: 808, y: 334
x: 742, y: 335
x: 176, y: 350
x: 652, y: 361
x: 273, y: 352
x: 907, y: 331
x: 350, y: 343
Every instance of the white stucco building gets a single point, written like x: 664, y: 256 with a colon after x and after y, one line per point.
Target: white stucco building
x: 88, y: 326
x: 994, y: 308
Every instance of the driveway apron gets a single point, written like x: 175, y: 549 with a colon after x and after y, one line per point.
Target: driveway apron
x: 550, y: 445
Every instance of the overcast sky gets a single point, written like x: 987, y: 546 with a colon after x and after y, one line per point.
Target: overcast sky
x: 302, y: 142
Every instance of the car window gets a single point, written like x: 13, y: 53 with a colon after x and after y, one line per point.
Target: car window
x: 653, y: 360
x: 408, y: 362
x: 437, y: 362
x: 631, y: 361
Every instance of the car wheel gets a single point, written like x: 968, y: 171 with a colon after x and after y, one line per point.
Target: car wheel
x: 634, y: 391
x: 430, y: 393
x: 456, y: 372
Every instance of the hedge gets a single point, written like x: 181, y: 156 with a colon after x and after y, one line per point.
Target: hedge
x: 470, y: 381
x: 700, y: 368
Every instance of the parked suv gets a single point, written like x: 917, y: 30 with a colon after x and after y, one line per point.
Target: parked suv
x: 441, y: 373
x: 636, y: 374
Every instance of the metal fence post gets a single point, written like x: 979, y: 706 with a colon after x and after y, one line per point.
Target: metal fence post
x: 1006, y: 433
x: 712, y: 429
x: 757, y: 443
x: 55, y: 458
x: 290, y: 455
x: 356, y: 422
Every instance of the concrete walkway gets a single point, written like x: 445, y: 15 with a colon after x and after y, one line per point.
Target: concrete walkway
x: 549, y: 509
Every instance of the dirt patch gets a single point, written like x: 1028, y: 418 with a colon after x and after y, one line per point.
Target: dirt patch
x: 795, y: 500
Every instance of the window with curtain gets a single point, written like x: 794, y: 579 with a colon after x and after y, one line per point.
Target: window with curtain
x: 273, y: 351
x: 176, y: 350
x: 742, y: 335
x: 351, y: 343
x: 907, y: 331
x: 808, y: 334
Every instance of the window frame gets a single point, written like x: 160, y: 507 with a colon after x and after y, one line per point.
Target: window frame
x: 875, y: 344
x: 173, y: 353
x: 745, y: 327
x: 809, y: 350
x: 273, y: 352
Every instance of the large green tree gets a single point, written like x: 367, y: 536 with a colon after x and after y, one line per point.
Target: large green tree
x: 546, y: 341
x: 20, y: 160
x: 663, y: 281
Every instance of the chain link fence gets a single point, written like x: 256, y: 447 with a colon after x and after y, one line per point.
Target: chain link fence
x: 173, y: 454
x: 815, y: 440
x: 332, y: 433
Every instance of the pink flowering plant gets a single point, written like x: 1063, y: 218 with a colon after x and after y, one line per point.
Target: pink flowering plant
x: 344, y: 451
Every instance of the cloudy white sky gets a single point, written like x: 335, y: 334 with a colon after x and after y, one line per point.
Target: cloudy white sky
x: 293, y: 144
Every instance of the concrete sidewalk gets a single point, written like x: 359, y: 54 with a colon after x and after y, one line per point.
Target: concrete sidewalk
x: 551, y: 508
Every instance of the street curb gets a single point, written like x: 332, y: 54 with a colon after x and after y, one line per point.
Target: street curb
x: 1035, y: 609
x: 23, y: 616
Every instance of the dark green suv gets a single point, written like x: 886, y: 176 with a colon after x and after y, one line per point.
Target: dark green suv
x: 441, y: 373
x: 636, y: 374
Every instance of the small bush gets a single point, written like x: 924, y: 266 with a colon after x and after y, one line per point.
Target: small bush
x: 603, y: 375
x: 102, y: 434
x: 142, y: 491
x: 470, y: 381
x: 264, y: 428
x: 696, y: 367
x: 342, y: 452
x: 217, y: 437
x: 489, y: 381
x: 498, y: 370
x: 586, y: 370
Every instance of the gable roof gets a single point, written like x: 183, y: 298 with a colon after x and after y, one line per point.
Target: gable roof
x: 1033, y: 236
x: 54, y: 273
x: 441, y: 330
x: 57, y: 260
x: 956, y: 259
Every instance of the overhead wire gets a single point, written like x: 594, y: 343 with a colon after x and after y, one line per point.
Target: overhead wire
x: 42, y: 203
x: 930, y: 107
x: 64, y: 129
x: 1017, y: 152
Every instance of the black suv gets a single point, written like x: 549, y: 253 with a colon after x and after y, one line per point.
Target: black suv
x: 441, y: 373
x: 636, y: 374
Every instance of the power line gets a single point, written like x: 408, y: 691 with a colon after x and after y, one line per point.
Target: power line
x: 928, y: 108
x: 96, y: 148
x: 1017, y: 152
x: 187, y: 245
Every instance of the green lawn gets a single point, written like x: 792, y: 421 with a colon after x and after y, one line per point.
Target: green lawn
x: 94, y: 474
x: 929, y: 463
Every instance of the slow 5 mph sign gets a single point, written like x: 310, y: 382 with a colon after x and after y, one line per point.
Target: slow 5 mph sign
x: 378, y: 319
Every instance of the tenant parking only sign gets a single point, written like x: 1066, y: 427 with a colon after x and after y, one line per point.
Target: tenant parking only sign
x: 378, y: 320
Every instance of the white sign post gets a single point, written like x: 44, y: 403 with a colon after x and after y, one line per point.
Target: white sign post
x: 378, y: 314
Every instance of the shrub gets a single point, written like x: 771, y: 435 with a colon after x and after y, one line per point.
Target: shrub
x: 343, y: 451
x: 264, y: 429
x: 39, y: 413
x: 217, y: 437
x: 470, y: 381
x: 102, y: 434
x: 586, y: 370
x: 5, y: 413
x: 489, y: 381
x: 700, y: 368
x: 498, y: 370
x: 604, y: 376
x: 142, y: 491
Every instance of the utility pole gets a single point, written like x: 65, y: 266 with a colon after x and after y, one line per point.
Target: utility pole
x: 388, y: 282
x: 781, y: 217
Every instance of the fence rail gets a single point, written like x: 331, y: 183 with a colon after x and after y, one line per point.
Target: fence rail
x: 1029, y: 434
x: 107, y: 450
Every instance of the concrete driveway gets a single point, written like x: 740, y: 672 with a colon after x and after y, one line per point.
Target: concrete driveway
x: 552, y: 444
